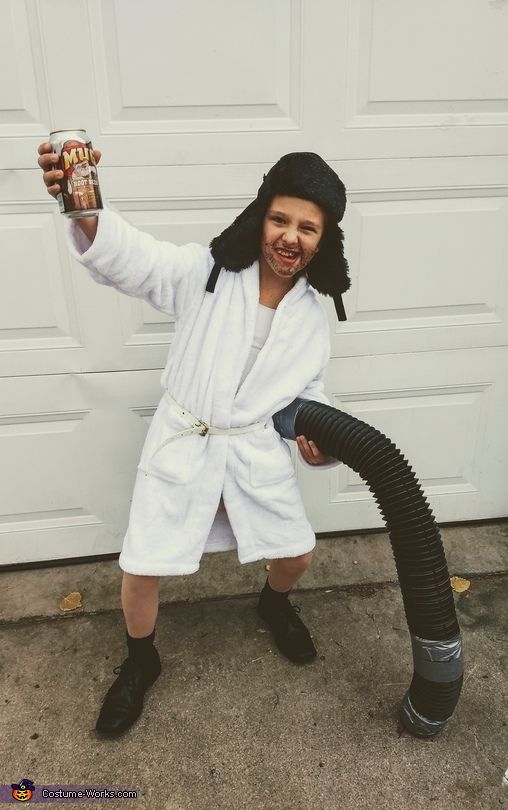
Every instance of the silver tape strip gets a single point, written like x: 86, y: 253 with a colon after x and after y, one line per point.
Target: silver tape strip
x: 416, y: 722
x: 438, y: 661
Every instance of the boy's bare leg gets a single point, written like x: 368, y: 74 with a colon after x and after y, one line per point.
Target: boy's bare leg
x: 140, y: 603
x: 285, y: 572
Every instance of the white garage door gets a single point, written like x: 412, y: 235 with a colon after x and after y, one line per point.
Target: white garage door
x: 190, y: 104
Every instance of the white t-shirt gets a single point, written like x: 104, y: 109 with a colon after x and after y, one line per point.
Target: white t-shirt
x: 264, y: 320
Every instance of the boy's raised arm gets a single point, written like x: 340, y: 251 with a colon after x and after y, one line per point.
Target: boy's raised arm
x: 118, y: 254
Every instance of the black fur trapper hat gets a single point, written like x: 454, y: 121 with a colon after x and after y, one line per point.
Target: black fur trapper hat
x: 298, y: 174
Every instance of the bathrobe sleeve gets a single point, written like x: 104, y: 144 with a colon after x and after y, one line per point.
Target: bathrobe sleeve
x: 315, y: 390
x: 134, y: 262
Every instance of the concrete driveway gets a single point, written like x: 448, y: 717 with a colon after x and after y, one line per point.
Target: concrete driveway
x: 232, y: 724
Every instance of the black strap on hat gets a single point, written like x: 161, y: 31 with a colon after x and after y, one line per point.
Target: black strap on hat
x: 339, y: 307
x: 212, y: 278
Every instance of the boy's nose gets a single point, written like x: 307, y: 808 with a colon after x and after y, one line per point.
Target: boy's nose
x: 290, y: 237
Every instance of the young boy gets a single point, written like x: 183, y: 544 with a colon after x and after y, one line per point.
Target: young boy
x: 251, y: 337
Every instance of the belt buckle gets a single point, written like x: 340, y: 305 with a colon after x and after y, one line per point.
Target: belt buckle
x: 204, y: 427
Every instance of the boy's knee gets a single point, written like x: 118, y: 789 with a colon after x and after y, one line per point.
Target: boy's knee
x: 296, y: 565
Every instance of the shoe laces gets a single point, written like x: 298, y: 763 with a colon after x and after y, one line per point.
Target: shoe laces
x: 129, y: 667
x: 125, y: 665
x: 125, y: 671
x: 290, y: 608
x: 290, y: 613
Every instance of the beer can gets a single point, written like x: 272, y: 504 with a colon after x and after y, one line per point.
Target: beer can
x: 80, y: 195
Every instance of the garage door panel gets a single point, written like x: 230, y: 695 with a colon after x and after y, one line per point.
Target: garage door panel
x: 24, y: 104
x: 57, y: 543
x: 426, y: 273
x: 406, y: 71
x: 43, y: 496
x: 443, y: 413
x: 70, y: 446
x: 33, y: 447
x: 142, y: 325
x: 181, y: 83
x: 36, y: 307
x: 441, y: 259
x: 446, y: 423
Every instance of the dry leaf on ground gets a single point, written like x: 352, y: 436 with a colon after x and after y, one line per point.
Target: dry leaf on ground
x: 459, y: 584
x: 71, y: 601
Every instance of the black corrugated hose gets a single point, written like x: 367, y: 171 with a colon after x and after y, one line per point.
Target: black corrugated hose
x: 417, y: 547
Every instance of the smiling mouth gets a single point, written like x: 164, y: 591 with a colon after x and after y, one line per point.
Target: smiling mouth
x: 287, y: 255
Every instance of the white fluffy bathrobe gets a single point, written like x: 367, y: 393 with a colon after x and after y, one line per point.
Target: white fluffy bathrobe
x: 177, y: 490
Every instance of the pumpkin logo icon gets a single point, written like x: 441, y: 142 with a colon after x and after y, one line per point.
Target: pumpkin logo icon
x: 24, y: 791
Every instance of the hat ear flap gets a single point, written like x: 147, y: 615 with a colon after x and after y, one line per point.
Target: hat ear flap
x: 328, y: 270
x: 237, y: 247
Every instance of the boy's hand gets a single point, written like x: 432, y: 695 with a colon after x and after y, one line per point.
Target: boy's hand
x: 311, y: 453
x: 51, y: 175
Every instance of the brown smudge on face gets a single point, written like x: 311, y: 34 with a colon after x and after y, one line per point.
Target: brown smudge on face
x: 294, y: 224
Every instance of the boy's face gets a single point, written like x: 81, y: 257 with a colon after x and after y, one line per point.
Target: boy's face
x: 292, y: 231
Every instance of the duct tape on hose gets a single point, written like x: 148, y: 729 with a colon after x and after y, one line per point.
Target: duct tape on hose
x: 416, y: 723
x: 438, y: 661
x: 284, y: 420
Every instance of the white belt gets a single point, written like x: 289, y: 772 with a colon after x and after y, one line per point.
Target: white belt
x: 198, y: 426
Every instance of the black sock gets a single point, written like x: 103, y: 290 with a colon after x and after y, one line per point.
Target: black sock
x: 141, y: 649
x: 274, y: 595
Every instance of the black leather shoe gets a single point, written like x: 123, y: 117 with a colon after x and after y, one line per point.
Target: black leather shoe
x: 290, y: 634
x: 123, y: 702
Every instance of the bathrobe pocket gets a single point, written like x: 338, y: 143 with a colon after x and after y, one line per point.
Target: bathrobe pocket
x: 270, y: 461
x: 171, y: 462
